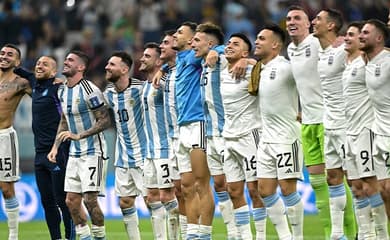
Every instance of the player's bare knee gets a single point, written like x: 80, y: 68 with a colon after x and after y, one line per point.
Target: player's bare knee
x: 357, y: 189
x: 90, y: 201
x: 126, y: 202
x: 253, y: 192
x: 220, y: 184
x: 235, y: 192
x: 335, y: 176
x: 167, y: 194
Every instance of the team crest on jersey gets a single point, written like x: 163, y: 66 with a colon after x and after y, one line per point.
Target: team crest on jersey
x: 330, y: 60
x: 77, y: 101
x: 131, y: 101
x: 272, y: 76
x: 377, y: 71
x: 94, y: 101
x: 45, y: 92
x: 307, y: 52
x: 354, y: 72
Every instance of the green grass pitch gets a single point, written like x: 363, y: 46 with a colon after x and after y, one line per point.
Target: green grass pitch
x: 37, y: 230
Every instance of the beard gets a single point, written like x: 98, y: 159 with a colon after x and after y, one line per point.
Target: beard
x: 68, y: 73
x: 366, y: 48
x: 113, y: 78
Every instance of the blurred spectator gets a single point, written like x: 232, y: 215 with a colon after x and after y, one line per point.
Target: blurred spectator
x: 149, y: 20
x: 173, y: 16
x: 10, y: 24
x: 236, y: 20
x: 52, y: 27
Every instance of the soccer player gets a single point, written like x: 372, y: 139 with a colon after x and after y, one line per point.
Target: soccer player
x: 168, y: 56
x: 303, y: 54
x: 125, y: 100
x: 209, y: 36
x: 46, y: 115
x: 280, y: 154
x: 372, y: 37
x: 326, y: 26
x: 241, y: 132
x: 158, y: 163
x: 84, y: 117
x: 12, y: 89
x: 359, y: 162
x: 195, y: 175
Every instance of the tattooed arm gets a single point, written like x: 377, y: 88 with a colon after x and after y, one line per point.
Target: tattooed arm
x: 103, y: 121
x: 62, y: 127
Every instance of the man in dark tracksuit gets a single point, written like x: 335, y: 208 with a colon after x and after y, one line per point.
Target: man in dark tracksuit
x: 46, y: 114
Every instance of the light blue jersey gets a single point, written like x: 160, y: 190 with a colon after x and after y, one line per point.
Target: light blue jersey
x: 155, y: 122
x: 78, y: 103
x: 212, y: 99
x: 129, y: 123
x: 187, y: 84
x: 170, y: 103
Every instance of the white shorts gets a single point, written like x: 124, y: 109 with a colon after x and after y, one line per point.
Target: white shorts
x: 9, y: 155
x: 128, y: 182
x: 359, y: 161
x: 381, y: 156
x: 191, y: 136
x: 175, y: 168
x: 280, y: 161
x: 334, y: 148
x: 240, y: 157
x: 86, y: 174
x: 215, y: 151
x: 157, y: 173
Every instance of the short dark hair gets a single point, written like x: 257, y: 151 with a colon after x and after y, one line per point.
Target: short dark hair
x: 296, y: 7
x: 381, y: 26
x: 169, y: 32
x: 278, y: 31
x: 191, y: 25
x: 153, y: 45
x: 212, y: 29
x: 83, y: 56
x: 357, y: 24
x: 244, y: 38
x: 336, y: 17
x: 125, y: 57
x: 10, y: 45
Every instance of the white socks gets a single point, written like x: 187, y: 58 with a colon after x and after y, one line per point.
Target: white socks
x: 337, y: 202
x: 130, y: 218
x: 242, y: 218
x: 12, y: 211
x: 158, y: 220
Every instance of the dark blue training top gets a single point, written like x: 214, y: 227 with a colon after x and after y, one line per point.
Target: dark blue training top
x: 46, y: 110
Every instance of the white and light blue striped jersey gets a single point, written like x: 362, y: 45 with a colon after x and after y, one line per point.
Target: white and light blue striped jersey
x: 212, y: 99
x: 78, y: 103
x: 169, y: 102
x: 156, y: 126
x: 130, y: 144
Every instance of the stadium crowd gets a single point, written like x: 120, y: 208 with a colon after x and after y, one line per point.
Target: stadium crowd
x: 247, y: 97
